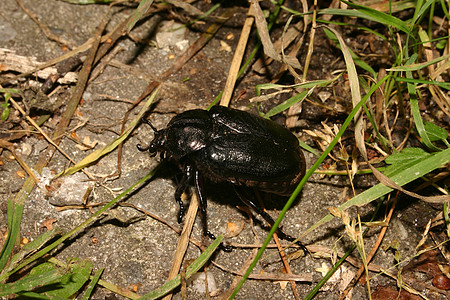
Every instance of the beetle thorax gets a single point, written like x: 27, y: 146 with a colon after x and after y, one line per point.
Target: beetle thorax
x: 184, y: 140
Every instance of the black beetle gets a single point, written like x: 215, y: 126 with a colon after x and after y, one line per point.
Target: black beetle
x: 229, y: 145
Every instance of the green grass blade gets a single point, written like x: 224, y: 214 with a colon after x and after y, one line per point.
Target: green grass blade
x: 9, y: 91
x: 14, y: 217
x: 369, y: 14
x: 288, y: 103
x: 419, y: 66
x: 303, y: 85
x: 139, y: 12
x: 31, y: 247
x: 414, y: 101
x: 444, y: 85
x: 92, y: 284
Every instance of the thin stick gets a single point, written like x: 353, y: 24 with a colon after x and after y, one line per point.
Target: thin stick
x: 184, y: 240
x: 237, y: 58
x: 372, y: 252
x: 311, y: 42
x: 47, y: 32
x: 38, y: 128
x: 286, y: 265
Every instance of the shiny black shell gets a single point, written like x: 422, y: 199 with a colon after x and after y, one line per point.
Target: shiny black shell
x: 229, y: 145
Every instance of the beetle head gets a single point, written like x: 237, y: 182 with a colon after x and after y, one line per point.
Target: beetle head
x: 186, y: 133
x: 158, y: 142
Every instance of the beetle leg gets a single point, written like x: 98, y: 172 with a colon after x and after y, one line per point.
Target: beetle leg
x: 203, y: 204
x: 258, y: 209
x: 180, y: 190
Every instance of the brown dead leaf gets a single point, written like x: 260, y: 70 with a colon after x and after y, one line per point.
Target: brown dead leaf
x: 234, y: 229
x: 224, y: 47
x: 48, y: 223
x: 389, y: 293
x: 441, y: 282
x: 87, y: 144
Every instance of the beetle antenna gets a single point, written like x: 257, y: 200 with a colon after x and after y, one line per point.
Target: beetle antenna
x: 143, y: 148
x: 150, y: 124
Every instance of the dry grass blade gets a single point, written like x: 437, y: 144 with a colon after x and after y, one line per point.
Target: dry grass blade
x: 237, y: 59
x: 263, y: 31
x: 287, y: 267
x: 268, y: 46
x: 96, y: 155
x: 38, y: 128
x: 188, y: 8
x: 86, y: 46
x: 371, y: 253
x: 311, y: 43
x: 188, y: 54
x: 184, y: 240
x: 24, y: 64
x: 82, y: 82
x: 45, y: 29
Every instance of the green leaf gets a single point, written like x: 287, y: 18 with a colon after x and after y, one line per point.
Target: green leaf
x: 441, y: 44
x: 422, y: 167
x: 435, y: 133
x: 68, y: 283
x: 31, y: 247
x: 403, y: 160
x: 5, y: 114
x: 28, y: 283
x: 288, y: 103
